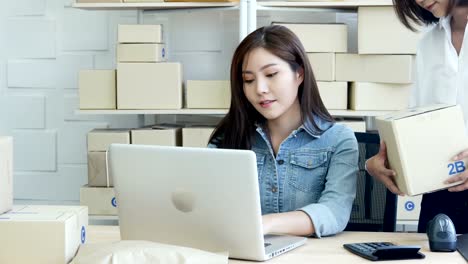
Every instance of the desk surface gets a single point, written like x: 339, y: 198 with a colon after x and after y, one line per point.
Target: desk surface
x: 324, y: 250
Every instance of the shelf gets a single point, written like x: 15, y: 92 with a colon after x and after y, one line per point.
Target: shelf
x: 154, y: 112
x: 152, y: 6
x: 345, y: 4
x: 353, y: 113
x: 343, y: 113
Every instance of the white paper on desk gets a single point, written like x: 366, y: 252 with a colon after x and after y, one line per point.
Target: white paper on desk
x: 143, y: 252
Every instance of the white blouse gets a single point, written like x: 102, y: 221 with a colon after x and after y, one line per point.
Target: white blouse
x: 441, y: 75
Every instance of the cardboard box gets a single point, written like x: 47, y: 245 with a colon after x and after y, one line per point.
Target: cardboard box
x: 97, y: 89
x: 100, y: 139
x: 208, y: 94
x: 202, y: 1
x: 420, y: 145
x: 321, y: 37
x: 196, y: 136
x: 157, y: 136
x: 97, y: 170
x: 140, y: 34
x: 379, y: 96
x: 136, y: 52
x: 149, y: 86
x: 42, y: 235
x: 99, y: 200
x: 374, y: 68
x: 380, y: 32
x: 334, y: 94
x: 99, y: 1
x: 81, y: 211
x: 408, y: 208
x: 6, y: 174
x: 323, y: 66
x: 355, y: 125
x: 143, y: 1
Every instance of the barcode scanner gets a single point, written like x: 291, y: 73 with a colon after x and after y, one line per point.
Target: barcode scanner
x: 441, y: 233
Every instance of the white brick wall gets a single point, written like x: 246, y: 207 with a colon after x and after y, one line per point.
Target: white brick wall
x: 44, y: 45
x: 47, y: 43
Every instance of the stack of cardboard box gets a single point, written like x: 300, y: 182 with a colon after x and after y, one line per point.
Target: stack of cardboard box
x: 99, y: 194
x: 322, y: 42
x: 381, y: 76
x: 381, y: 73
x: 36, y: 234
x: 144, y: 80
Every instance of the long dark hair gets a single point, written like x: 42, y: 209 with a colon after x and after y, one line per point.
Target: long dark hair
x: 237, y: 128
x: 408, y: 11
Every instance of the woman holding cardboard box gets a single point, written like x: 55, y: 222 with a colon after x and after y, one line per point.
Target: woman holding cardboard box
x: 306, y: 163
x: 441, y: 77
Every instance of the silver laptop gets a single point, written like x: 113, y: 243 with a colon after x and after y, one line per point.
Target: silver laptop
x: 194, y: 197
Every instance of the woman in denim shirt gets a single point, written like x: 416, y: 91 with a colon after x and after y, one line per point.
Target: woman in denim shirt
x: 306, y: 163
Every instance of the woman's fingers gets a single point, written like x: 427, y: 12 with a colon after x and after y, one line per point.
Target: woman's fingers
x: 461, y: 155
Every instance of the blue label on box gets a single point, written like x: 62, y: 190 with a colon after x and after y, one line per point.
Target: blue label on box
x: 83, y: 235
x: 114, y: 202
x: 409, y: 206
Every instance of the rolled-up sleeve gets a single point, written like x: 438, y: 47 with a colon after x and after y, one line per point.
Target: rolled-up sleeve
x: 331, y: 213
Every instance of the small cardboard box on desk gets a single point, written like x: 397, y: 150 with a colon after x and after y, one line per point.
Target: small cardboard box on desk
x: 42, y: 234
x: 6, y: 174
x: 420, y: 145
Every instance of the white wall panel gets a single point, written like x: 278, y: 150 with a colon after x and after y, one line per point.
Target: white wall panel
x: 30, y: 37
x: 22, y: 111
x: 35, y: 150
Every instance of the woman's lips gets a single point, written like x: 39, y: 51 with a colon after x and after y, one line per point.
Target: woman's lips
x: 429, y: 7
x: 267, y: 103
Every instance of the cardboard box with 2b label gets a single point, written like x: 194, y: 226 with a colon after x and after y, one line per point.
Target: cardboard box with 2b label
x: 42, y: 234
x: 420, y: 145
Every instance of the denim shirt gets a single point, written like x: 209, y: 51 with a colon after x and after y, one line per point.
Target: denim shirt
x: 312, y: 172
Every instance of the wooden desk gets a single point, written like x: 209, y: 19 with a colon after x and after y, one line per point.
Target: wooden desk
x: 324, y: 250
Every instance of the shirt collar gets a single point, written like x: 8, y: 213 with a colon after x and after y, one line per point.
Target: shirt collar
x: 444, y: 23
x: 308, y: 127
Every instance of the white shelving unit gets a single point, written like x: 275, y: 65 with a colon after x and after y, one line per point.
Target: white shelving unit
x: 155, y: 112
x: 152, y: 6
x: 341, y: 113
x: 247, y: 23
x: 345, y: 4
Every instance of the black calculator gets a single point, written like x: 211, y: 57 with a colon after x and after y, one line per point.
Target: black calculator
x: 384, y: 251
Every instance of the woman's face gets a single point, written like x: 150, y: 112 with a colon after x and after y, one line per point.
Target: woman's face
x: 439, y: 8
x: 270, y: 84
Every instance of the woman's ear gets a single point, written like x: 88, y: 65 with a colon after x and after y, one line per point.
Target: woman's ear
x: 300, y: 74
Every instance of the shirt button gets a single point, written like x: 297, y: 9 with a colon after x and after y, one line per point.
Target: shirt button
x: 280, y: 162
x: 274, y: 189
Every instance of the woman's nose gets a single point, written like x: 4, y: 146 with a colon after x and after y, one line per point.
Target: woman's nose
x: 262, y: 87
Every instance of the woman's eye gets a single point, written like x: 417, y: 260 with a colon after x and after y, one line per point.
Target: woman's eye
x: 248, y: 81
x: 271, y: 74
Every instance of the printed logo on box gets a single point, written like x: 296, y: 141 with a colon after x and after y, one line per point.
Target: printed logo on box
x: 409, y: 206
x: 456, y: 167
x: 114, y: 202
x: 83, y: 235
x: 163, y: 52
